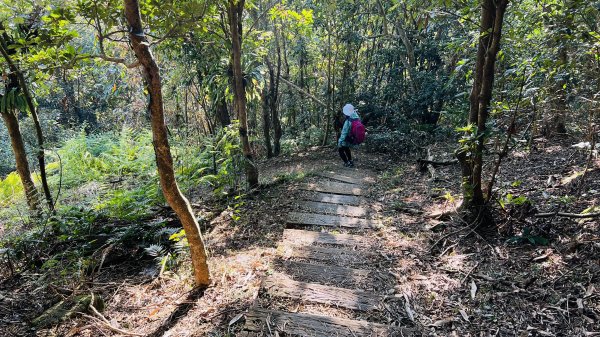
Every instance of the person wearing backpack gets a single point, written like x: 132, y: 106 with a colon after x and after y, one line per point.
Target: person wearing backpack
x: 353, y: 133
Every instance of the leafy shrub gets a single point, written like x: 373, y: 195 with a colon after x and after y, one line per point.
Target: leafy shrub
x: 218, y: 164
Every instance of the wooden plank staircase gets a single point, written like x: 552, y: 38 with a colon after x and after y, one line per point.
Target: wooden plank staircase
x: 317, y: 264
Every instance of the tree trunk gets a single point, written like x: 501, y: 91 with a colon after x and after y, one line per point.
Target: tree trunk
x: 164, y: 160
x: 16, y: 141
x: 275, y: 105
x: 16, y: 72
x: 234, y: 13
x: 270, y: 114
x: 267, y: 120
x: 471, y: 158
x: 222, y: 112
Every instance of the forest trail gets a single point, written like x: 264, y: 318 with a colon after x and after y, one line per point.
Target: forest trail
x: 320, y: 264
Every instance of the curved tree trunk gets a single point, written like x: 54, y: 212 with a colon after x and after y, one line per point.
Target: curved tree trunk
x: 164, y: 160
x: 235, y: 10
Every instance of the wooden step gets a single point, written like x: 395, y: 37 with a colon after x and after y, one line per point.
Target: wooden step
x: 321, y: 207
x: 327, y: 275
x: 346, y: 179
x: 334, y: 199
x: 280, y: 285
x: 300, y: 218
x: 298, y: 237
x: 335, y: 188
x: 267, y: 322
x: 335, y: 256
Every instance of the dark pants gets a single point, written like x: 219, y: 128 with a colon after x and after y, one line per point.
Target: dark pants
x: 345, y: 154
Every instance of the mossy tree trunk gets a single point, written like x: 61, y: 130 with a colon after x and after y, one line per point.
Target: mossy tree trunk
x: 164, y: 160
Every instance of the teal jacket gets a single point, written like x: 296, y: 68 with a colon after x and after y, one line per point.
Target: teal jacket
x: 346, y: 131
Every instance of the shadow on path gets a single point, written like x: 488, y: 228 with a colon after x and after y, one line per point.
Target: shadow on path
x: 179, y: 312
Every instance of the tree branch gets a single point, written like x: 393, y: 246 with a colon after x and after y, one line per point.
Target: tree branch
x: 109, y: 59
x: 567, y: 215
x: 304, y: 92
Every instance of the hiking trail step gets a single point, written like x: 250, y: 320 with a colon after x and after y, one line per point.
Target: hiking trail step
x: 335, y: 256
x: 267, y: 322
x: 334, y: 199
x: 326, y: 275
x: 280, y: 285
x: 346, y: 179
x: 336, y: 188
x: 299, y: 236
x: 301, y: 218
x: 321, y: 207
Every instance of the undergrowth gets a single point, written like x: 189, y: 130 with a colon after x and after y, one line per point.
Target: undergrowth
x: 109, y: 193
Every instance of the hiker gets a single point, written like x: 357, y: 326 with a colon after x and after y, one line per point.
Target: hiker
x: 353, y: 133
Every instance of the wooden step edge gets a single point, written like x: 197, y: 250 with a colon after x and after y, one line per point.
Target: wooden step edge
x: 311, y: 237
x: 280, y: 285
x: 268, y: 322
x: 313, y: 219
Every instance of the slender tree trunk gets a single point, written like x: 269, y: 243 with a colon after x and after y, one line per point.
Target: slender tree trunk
x: 16, y: 141
x: 222, y: 112
x: 273, y: 95
x: 234, y: 13
x: 36, y: 121
x: 274, y: 104
x: 267, y: 120
x: 328, y: 114
x: 164, y: 160
x: 471, y: 159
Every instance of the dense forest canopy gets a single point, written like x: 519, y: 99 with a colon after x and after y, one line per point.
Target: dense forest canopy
x: 116, y: 112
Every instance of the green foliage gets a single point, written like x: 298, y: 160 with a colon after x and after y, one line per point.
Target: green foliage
x: 11, y: 189
x: 12, y: 100
x: 528, y: 237
x: 219, y: 163
x: 510, y: 199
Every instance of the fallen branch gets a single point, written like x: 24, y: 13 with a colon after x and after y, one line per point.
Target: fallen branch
x: 567, y: 215
x: 107, y: 325
x: 99, y: 317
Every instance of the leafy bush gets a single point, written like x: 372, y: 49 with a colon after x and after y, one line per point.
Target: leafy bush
x: 219, y: 163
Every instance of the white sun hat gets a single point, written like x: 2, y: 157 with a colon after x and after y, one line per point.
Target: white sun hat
x: 348, y: 109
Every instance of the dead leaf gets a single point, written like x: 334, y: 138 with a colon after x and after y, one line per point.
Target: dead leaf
x: 540, y: 258
x: 473, y: 289
x: 464, y: 315
x: 590, y: 291
x: 235, y: 319
x: 408, y: 309
x: 418, y: 277
x: 442, y: 322
x: 580, y: 303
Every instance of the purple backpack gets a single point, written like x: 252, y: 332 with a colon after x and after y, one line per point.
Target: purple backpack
x: 357, y: 132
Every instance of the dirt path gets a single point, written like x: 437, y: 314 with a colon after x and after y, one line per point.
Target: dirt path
x: 316, y: 283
